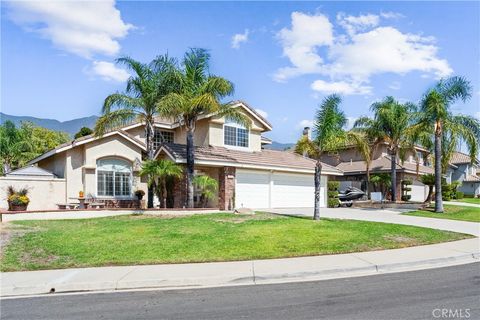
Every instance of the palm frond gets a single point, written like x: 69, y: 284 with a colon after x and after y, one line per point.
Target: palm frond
x: 115, y: 119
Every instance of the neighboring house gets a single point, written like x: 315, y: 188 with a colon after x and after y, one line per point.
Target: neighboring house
x: 107, y: 167
x: 462, y: 169
x: 351, y: 162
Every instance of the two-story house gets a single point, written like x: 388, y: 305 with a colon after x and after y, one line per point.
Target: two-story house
x: 462, y: 169
x: 107, y: 167
x: 350, y: 161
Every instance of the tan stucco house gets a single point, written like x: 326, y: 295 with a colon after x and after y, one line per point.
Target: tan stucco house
x: 107, y: 168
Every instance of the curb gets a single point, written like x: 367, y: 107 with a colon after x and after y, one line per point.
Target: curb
x: 245, y: 276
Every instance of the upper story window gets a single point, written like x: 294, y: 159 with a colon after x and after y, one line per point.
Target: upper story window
x: 161, y: 136
x: 114, y: 178
x: 235, y: 135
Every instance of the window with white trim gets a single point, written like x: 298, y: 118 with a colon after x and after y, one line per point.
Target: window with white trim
x: 114, y: 178
x: 161, y: 136
x: 235, y: 135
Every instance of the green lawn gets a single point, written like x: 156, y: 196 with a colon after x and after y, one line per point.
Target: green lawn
x: 142, y: 239
x: 451, y: 212
x: 469, y: 200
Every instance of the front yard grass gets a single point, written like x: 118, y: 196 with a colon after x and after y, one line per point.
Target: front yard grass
x: 143, y: 239
x: 450, y: 212
x: 469, y: 200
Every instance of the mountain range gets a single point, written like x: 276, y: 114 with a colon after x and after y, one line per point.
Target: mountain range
x: 73, y: 126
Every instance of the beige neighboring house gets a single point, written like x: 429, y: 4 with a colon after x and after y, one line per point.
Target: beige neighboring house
x: 351, y: 163
x: 107, y: 168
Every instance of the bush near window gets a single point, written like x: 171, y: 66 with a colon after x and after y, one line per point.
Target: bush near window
x: 332, y: 193
x: 459, y: 195
x: 406, y: 189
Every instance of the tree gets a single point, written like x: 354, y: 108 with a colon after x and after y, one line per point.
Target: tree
x: 12, y: 146
x: 157, y: 172
x: 197, y: 93
x: 428, y: 180
x: 393, y: 124
x: 84, y: 131
x: 328, y: 136
x: 20, y: 145
x: 208, y: 188
x: 437, y: 119
x: 145, y: 88
x: 381, y: 180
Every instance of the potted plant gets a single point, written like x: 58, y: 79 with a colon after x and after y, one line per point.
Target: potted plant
x: 139, y: 194
x: 17, y: 200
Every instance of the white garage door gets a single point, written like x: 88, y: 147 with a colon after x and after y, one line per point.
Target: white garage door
x: 294, y: 190
x: 260, y: 189
x: 252, y: 189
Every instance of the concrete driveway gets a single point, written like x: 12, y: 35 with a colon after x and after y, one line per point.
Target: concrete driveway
x: 389, y: 215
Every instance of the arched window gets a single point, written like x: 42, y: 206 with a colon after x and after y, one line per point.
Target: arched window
x: 114, y: 178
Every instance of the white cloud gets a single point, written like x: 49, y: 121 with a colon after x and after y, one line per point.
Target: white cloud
x: 83, y: 28
x: 262, y: 113
x: 305, y: 123
x: 300, y: 43
x: 350, y: 122
x: 353, y: 24
x: 239, y: 38
x: 391, y: 15
x: 341, y: 87
x: 108, y: 71
x: 347, y: 61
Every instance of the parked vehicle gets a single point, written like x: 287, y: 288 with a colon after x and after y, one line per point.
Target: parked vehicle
x: 351, y: 193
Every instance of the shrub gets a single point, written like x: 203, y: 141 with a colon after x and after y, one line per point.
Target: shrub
x: 333, y: 185
x: 459, y: 195
x: 332, y: 203
x: 406, y: 197
x: 332, y: 193
x: 139, y: 193
x: 447, y: 192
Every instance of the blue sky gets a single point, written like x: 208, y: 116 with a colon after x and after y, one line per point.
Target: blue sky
x: 282, y: 57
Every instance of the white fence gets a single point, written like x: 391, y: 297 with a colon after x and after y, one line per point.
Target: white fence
x: 44, y: 193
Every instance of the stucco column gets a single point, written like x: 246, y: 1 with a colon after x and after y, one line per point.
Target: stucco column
x: 226, y: 188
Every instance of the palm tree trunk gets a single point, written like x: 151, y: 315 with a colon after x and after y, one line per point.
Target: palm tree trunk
x: 429, y: 196
x: 438, y: 171
x: 190, y: 166
x: 6, y: 167
x: 316, y: 207
x: 393, y: 173
x: 368, y: 180
x: 150, y: 155
x: 164, y: 188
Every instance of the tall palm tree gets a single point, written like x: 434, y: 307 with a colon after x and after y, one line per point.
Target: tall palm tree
x: 148, y: 84
x: 208, y: 187
x: 157, y: 172
x: 437, y: 118
x: 392, y: 123
x: 328, y: 136
x: 197, y: 93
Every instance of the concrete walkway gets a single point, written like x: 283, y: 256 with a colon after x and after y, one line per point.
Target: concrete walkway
x: 387, y: 216
x: 462, y: 204
x: 262, y: 271
x: 88, y: 214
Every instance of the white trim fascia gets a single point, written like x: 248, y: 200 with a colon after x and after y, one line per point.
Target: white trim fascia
x: 162, y: 148
x: 75, y: 144
x: 253, y: 114
x: 255, y: 166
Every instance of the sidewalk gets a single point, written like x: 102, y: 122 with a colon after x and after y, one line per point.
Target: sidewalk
x: 199, y: 275
x: 462, y: 204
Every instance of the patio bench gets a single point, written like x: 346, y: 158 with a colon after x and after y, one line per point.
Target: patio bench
x: 96, y: 205
x: 70, y: 206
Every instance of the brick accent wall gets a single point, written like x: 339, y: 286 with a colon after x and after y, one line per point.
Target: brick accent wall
x: 180, y: 191
x: 226, y: 188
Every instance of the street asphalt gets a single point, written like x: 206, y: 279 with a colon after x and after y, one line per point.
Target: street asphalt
x: 452, y: 292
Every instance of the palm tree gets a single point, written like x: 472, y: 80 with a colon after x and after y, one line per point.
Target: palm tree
x: 329, y: 135
x: 138, y: 103
x: 437, y: 118
x: 392, y: 123
x: 197, y: 93
x: 157, y: 172
x: 208, y: 187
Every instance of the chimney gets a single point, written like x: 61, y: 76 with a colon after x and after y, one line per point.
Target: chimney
x: 307, y: 133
